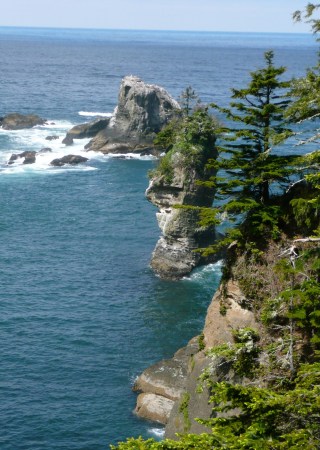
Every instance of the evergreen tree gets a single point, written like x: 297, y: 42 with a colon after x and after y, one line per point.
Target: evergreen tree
x: 188, y: 101
x: 246, y: 159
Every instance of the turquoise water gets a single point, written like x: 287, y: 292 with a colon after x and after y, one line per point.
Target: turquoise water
x: 81, y: 313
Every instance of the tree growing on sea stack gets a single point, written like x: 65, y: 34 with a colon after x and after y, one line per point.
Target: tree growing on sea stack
x: 247, y: 167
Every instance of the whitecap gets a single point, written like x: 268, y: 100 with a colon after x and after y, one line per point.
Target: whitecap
x: 95, y: 114
x: 157, y: 432
x: 203, y: 272
x: 131, y: 156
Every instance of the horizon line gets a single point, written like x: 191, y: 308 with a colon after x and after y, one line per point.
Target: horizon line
x: 152, y: 30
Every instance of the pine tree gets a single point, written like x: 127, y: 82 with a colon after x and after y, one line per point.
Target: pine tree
x: 248, y: 166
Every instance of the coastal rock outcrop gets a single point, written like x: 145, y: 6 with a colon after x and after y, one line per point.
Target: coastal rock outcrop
x: 175, y: 253
x: 163, y: 383
x: 29, y: 157
x: 85, y: 130
x: 142, y: 111
x: 68, y: 159
x: 16, y: 121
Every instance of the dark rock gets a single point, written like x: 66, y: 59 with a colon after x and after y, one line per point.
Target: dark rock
x: 142, y: 111
x: 16, y: 121
x: 45, y: 150
x: 85, y: 130
x: 68, y: 159
x: 29, y: 157
x: 52, y: 138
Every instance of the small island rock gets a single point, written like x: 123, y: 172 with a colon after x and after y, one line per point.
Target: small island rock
x: 68, y: 159
x: 16, y: 121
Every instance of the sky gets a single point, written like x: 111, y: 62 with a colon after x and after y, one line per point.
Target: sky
x: 201, y: 15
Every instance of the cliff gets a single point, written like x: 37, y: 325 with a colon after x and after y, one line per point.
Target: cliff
x: 177, y: 188
x: 253, y: 337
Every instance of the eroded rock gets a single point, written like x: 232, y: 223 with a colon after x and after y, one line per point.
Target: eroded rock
x: 29, y: 157
x: 16, y: 121
x: 175, y: 253
x: 142, y: 111
x: 68, y: 159
x: 85, y: 130
x: 154, y: 407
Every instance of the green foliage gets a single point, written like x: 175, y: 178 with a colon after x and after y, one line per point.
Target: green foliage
x: 265, y: 418
x: 201, y: 342
x: 246, y: 167
x: 191, y: 141
x: 188, y: 100
x: 183, y: 408
x: 307, y: 16
x: 242, y: 355
x: 268, y: 419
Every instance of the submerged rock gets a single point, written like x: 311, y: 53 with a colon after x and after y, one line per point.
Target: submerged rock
x: 142, y: 111
x: 85, y: 130
x: 52, y: 138
x: 16, y: 121
x: 68, y: 159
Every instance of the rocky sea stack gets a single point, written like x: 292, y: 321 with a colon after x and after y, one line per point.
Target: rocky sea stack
x: 142, y: 111
x: 177, y: 189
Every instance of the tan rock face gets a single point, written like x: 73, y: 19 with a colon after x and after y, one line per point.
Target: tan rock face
x: 218, y: 328
x: 154, y: 407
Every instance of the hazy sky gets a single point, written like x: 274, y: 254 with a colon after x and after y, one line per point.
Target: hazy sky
x: 211, y: 15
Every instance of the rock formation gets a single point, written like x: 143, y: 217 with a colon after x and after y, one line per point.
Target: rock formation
x: 174, y: 255
x: 29, y: 157
x: 68, y: 159
x: 143, y: 109
x: 85, y: 130
x: 162, y: 384
x: 177, y: 379
x: 16, y: 121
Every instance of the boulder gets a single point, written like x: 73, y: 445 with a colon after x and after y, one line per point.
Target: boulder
x: 68, y: 159
x: 85, y: 130
x: 29, y: 157
x: 142, y: 111
x: 52, y: 138
x: 45, y: 150
x: 16, y: 121
x: 154, y: 407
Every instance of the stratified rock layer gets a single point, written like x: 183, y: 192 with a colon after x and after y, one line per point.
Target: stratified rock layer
x: 142, y: 111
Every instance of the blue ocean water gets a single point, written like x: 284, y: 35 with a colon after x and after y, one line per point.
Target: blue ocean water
x: 81, y: 313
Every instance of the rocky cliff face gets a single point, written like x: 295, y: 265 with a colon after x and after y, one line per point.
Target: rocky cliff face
x: 142, y: 111
x: 178, y: 379
x: 174, y: 255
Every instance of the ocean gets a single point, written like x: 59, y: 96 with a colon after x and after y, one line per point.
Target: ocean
x: 81, y: 313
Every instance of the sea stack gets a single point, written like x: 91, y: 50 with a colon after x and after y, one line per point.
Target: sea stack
x: 142, y: 111
x: 179, y: 200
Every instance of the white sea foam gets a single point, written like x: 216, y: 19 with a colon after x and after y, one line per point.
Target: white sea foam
x: 95, y: 114
x: 131, y: 156
x: 204, y: 271
x: 34, y: 139
x: 158, y: 432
